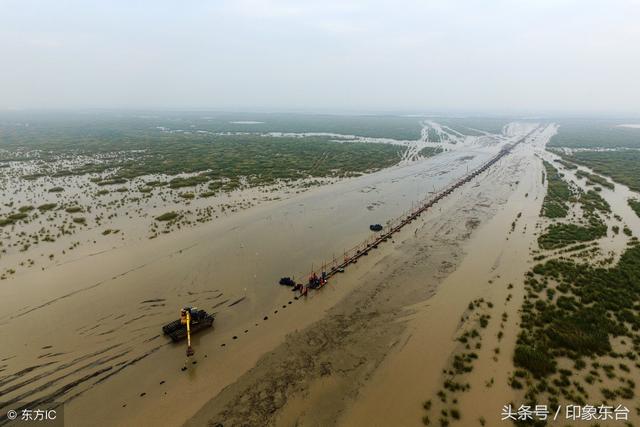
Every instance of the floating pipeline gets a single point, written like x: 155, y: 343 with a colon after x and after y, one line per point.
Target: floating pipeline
x: 352, y: 256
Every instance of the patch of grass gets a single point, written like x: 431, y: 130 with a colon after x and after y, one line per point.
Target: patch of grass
x: 430, y: 151
x: 168, y: 216
x: 566, y: 164
x: 260, y: 159
x: 635, y: 205
x: 593, y: 179
x: 455, y: 413
x: 12, y: 218
x: 594, y: 133
x: 535, y: 360
x: 591, y: 201
x: 47, y: 207
x: 561, y: 235
x: 33, y: 176
x: 558, y: 194
x: 596, y: 304
x: 188, y: 182
x: 112, y: 181
x: 17, y: 216
x: 622, y: 166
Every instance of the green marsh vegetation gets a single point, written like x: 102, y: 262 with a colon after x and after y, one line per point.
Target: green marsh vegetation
x: 558, y: 194
x: 260, y: 159
x: 433, y: 135
x: 12, y: 218
x: 635, y: 205
x: 561, y: 235
x: 593, y: 179
x: 556, y: 205
x: 455, y: 376
x: 603, y: 146
x: 47, y: 207
x: 475, y: 126
x: 64, y: 130
x: 593, y: 133
x: 73, y: 209
x: 167, y: 216
x: 573, y: 313
x: 580, y: 319
x: 430, y: 151
x: 622, y: 166
x: 113, y: 153
x: 566, y: 164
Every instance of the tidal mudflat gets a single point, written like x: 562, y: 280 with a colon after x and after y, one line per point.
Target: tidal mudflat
x: 94, y: 295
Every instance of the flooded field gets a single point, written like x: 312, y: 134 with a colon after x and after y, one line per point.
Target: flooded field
x: 283, y: 213
x: 86, y: 324
x: 81, y: 312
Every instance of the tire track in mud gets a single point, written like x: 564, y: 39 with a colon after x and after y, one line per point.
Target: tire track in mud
x: 59, y: 392
x: 9, y: 378
x: 48, y: 384
x: 100, y: 369
x: 53, y: 396
x: 50, y: 372
x: 129, y: 363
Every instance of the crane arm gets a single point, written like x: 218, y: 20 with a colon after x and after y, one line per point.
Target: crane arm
x: 190, y: 351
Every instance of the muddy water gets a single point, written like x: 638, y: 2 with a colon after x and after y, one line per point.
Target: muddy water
x: 493, y: 258
x: 90, y: 328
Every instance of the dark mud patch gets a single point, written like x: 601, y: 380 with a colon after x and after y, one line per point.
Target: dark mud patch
x: 148, y: 301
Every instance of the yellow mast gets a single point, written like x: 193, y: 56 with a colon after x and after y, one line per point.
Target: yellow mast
x: 190, y: 351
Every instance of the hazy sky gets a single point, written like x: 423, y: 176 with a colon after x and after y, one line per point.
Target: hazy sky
x: 423, y: 56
